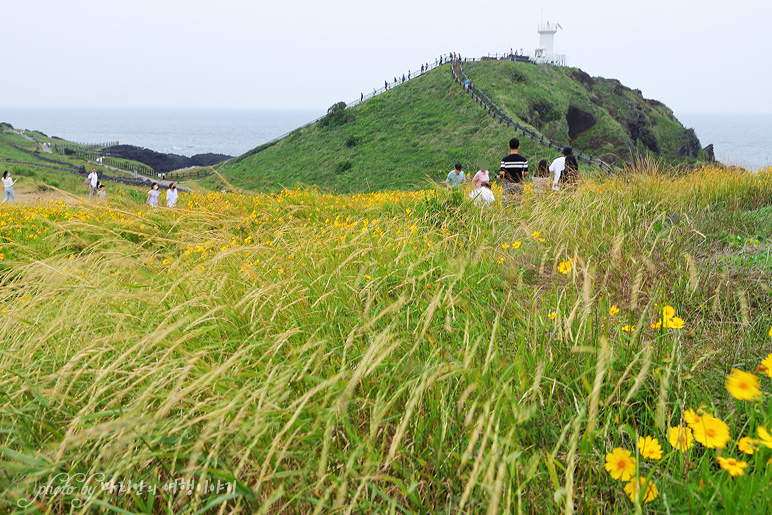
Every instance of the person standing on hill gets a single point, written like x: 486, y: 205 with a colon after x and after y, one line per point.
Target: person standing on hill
x: 558, y: 167
x: 513, y: 168
x: 572, y: 170
x: 93, y: 180
x: 152, y: 195
x: 171, y: 195
x: 455, y: 177
x: 101, y: 195
x: 8, y: 183
x: 481, y: 177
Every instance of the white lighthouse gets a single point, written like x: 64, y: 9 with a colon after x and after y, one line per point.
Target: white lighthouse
x: 545, y: 52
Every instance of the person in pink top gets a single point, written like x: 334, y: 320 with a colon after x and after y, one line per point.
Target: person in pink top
x: 481, y: 177
x: 152, y: 195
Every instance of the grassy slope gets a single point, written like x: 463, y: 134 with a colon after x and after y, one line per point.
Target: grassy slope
x: 415, y: 131
x: 392, y: 352
x: 38, y: 176
x: 558, y: 87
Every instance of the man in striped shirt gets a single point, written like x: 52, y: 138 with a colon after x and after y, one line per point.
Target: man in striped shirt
x: 513, y: 168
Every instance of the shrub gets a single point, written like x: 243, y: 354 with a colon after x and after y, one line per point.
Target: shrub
x: 336, y: 115
x: 343, y: 167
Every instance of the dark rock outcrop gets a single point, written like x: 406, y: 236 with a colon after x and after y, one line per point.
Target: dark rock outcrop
x: 578, y: 121
x: 638, y: 129
x: 583, y: 77
x: 162, y: 162
x: 691, y: 148
x: 709, y: 150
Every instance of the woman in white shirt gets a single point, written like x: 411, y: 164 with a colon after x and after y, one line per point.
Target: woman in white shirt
x: 152, y: 195
x: 171, y: 195
x: 8, y: 183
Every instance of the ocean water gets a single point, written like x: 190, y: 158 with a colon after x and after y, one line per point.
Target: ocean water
x: 744, y: 140
x: 176, y: 131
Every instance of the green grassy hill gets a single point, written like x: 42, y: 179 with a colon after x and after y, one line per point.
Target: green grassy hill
x: 395, y: 140
x: 420, y: 129
x: 597, y: 115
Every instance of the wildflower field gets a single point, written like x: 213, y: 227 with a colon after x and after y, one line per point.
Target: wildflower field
x: 603, y: 350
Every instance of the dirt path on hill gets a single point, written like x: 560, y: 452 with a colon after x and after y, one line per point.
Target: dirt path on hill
x: 28, y: 138
x: 26, y: 197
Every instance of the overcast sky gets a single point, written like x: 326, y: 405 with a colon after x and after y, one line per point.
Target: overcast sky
x: 695, y: 56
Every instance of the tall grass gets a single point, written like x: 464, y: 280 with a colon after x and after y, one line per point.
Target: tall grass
x: 391, y: 352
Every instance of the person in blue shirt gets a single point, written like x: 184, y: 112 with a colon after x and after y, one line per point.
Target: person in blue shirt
x: 455, y: 177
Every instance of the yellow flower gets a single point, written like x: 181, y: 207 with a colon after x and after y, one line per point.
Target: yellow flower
x: 770, y: 331
x: 613, y: 311
x: 681, y: 438
x: 500, y: 260
x: 564, y: 267
x: 628, y: 328
x: 516, y: 245
x: 766, y: 365
x: 552, y: 315
x: 167, y: 261
x: 747, y: 445
x: 743, y: 386
x: 649, y: 447
x: 674, y: 323
x: 542, y: 240
x: 711, y: 432
x: 733, y: 466
x: 691, y: 417
x: 535, y: 234
x: 766, y: 439
x: 368, y: 277
x: 620, y: 464
x: 505, y: 246
x: 636, y: 485
x: 668, y: 319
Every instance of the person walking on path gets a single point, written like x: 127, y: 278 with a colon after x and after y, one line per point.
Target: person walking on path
x: 8, y: 183
x: 93, y: 180
x: 513, y: 168
x: 152, y: 195
x: 559, y: 169
x: 171, y: 195
x: 455, y: 177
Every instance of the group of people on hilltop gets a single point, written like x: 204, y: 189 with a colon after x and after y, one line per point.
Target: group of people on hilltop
x: 564, y: 171
x: 444, y: 58
x: 97, y: 191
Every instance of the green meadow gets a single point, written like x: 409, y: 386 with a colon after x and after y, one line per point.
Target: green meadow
x: 392, y: 352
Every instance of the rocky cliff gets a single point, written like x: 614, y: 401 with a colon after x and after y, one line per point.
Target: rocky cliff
x: 162, y: 162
